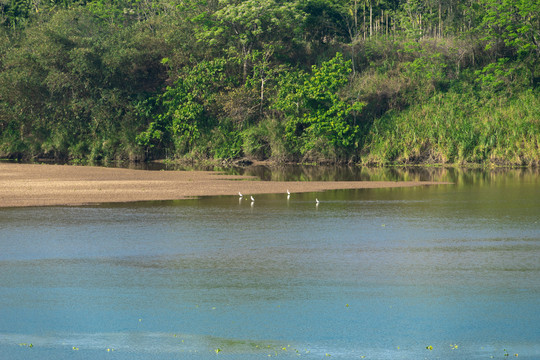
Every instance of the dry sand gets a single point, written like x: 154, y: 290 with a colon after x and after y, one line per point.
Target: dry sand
x: 45, y: 185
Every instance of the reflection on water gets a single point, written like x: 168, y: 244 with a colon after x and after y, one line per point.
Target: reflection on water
x: 341, y: 173
x: 460, y: 176
x: 357, y: 173
x: 380, y: 273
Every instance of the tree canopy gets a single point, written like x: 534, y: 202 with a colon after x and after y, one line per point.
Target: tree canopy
x: 302, y: 80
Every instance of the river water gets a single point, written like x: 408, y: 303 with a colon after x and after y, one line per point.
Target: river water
x: 441, y: 272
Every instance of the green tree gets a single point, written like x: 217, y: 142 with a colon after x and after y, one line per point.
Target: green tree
x: 512, y: 29
x: 327, y: 21
x: 13, y: 12
x: 240, y: 27
x: 318, y: 119
x: 71, y: 84
x: 185, y: 109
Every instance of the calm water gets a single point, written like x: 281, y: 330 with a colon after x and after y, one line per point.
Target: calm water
x: 374, y: 274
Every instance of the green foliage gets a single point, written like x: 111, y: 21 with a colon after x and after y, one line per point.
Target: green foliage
x: 186, y: 107
x: 241, y: 27
x: 256, y: 142
x: 325, y: 20
x: 426, y: 64
x: 68, y: 90
x: 266, y: 140
x: 495, y: 76
x: 137, y: 79
x: 316, y: 112
x: 15, y: 12
x: 224, y: 142
x: 512, y: 25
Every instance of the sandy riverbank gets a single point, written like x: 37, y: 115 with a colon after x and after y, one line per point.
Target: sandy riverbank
x: 45, y: 185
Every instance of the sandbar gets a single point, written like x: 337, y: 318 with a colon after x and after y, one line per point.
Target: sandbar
x: 23, y: 185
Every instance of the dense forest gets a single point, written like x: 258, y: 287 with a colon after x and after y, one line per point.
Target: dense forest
x: 371, y: 82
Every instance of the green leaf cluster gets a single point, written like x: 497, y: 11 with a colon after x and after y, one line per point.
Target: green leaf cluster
x: 184, y: 108
x: 318, y: 118
x: 302, y: 80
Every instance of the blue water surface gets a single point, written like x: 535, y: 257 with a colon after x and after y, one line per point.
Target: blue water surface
x: 440, y: 272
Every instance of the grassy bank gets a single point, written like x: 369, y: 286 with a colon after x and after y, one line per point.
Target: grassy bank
x: 454, y: 128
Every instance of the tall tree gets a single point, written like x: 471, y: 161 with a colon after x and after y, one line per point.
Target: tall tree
x: 515, y: 25
x: 318, y: 118
x: 243, y: 26
x: 185, y: 109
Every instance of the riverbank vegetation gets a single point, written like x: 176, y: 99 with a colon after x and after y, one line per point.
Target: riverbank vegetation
x: 370, y: 82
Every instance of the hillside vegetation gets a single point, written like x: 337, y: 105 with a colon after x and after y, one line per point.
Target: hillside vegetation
x: 368, y: 82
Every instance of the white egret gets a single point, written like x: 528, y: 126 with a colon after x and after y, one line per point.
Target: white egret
x: 316, y: 201
x: 288, y: 192
x: 252, y: 199
x: 240, y: 194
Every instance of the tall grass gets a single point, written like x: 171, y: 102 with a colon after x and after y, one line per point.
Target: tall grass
x: 459, y: 128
